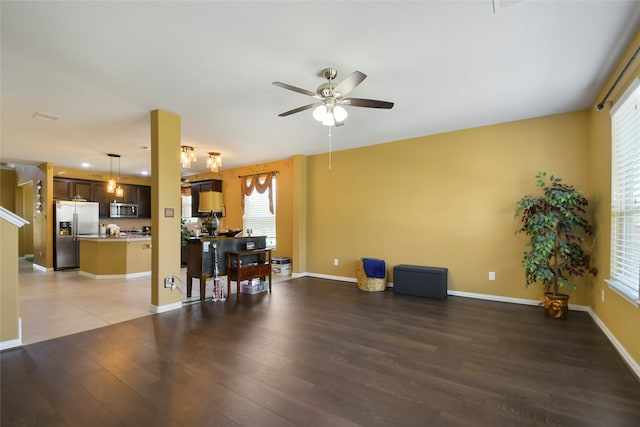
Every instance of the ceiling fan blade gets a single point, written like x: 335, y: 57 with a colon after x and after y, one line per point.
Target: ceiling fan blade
x: 297, y: 110
x: 295, y: 89
x: 349, y: 83
x: 369, y: 103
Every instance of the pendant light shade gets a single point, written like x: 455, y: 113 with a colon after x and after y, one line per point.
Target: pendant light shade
x: 187, y: 156
x: 119, y: 189
x: 111, y: 184
x: 214, y: 161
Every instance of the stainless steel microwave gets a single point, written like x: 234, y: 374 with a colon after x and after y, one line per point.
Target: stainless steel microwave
x: 123, y: 210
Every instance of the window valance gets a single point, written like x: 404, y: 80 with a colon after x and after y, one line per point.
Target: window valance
x: 260, y: 183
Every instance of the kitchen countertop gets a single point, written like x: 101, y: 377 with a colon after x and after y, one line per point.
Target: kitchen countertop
x: 119, y: 238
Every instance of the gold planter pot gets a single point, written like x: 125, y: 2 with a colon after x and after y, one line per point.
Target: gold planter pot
x: 555, y: 305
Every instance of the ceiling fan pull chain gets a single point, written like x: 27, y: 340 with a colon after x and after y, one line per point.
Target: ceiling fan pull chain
x: 330, y: 147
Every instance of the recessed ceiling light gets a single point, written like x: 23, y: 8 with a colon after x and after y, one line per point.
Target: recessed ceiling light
x: 45, y: 116
x: 144, y: 173
x: 85, y: 165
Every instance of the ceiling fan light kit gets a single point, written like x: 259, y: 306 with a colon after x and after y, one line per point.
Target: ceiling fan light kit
x: 329, y: 110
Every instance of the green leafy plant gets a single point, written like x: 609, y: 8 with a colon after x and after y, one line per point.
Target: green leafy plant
x: 184, y: 232
x: 557, y: 230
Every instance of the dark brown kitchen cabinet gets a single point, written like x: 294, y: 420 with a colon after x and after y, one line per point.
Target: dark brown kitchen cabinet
x: 69, y: 189
x: 103, y: 198
x: 138, y: 194
x: 196, y: 188
x: 144, y: 201
x: 129, y: 194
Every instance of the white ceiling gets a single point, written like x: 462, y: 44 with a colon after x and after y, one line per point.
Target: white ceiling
x: 448, y: 65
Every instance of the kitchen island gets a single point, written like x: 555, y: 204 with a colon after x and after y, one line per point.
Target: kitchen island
x: 115, y: 257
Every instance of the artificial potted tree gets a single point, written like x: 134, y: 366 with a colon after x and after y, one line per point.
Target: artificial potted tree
x: 557, y: 231
x: 185, y: 235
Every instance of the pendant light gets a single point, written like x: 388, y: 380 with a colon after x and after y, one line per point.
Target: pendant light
x: 187, y: 156
x: 111, y: 184
x: 119, y: 189
x: 214, y: 161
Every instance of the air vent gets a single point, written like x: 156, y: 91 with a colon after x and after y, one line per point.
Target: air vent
x: 46, y: 116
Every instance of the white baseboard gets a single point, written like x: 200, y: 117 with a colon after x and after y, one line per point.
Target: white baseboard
x: 631, y: 363
x: 157, y: 309
x: 114, y: 276
x: 5, y: 345
x: 41, y: 268
x: 330, y: 277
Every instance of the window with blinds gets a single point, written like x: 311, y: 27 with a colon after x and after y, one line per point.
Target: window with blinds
x: 257, y: 216
x: 625, y: 194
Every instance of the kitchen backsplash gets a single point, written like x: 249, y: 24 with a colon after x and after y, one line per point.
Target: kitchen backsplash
x: 127, y: 224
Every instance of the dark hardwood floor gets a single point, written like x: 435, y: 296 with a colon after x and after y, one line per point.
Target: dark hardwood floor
x: 322, y: 353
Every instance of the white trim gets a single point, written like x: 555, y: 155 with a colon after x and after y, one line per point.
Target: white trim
x: 497, y: 298
x: 5, y: 345
x: 627, y: 93
x: 114, y: 276
x: 12, y: 218
x: 164, y: 308
x: 628, y: 359
x: 330, y: 277
x: 631, y: 363
x: 615, y: 288
x: 41, y: 268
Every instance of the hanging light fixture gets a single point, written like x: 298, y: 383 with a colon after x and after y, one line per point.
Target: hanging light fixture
x: 119, y: 189
x: 329, y: 114
x: 214, y: 161
x: 111, y: 184
x: 187, y: 156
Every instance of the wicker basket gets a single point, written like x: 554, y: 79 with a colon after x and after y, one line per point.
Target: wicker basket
x: 371, y: 284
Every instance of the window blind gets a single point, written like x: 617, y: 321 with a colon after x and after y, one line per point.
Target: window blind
x: 625, y: 194
x: 257, y: 215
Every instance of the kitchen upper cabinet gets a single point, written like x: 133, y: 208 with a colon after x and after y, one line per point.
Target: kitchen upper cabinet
x: 103, y: 198
x: 69, y: 189
x: 196, y: 188
x: 129, y: 194
x: 144, y: 201
x: 138, y: 194
x: 96, y: 191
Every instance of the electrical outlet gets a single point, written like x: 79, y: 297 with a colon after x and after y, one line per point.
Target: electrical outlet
x: 492, y: 275
x: 168, y: 282
x: 335, y: 261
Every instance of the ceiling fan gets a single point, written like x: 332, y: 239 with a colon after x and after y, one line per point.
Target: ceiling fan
x: 331, y: 98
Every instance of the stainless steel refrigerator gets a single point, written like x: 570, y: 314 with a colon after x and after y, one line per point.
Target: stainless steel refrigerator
x: 72, y: 220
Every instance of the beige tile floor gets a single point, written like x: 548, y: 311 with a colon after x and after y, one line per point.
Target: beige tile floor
x: 55, y: 304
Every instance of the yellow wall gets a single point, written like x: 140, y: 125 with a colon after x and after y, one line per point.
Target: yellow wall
x: 42, y: 222
x: 445, y: 200
x: 165, y: 206
x: 8, y: 182
x: 9, y: 311
x: 616, y: 312
x: 284, y: 199
x: 99, y: 176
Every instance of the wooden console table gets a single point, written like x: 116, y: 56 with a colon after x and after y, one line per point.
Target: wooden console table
x: 238, y: 272
x: 200, y: 263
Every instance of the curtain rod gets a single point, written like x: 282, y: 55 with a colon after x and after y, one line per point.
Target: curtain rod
x: 624, y: 70
x: 258, y: 174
